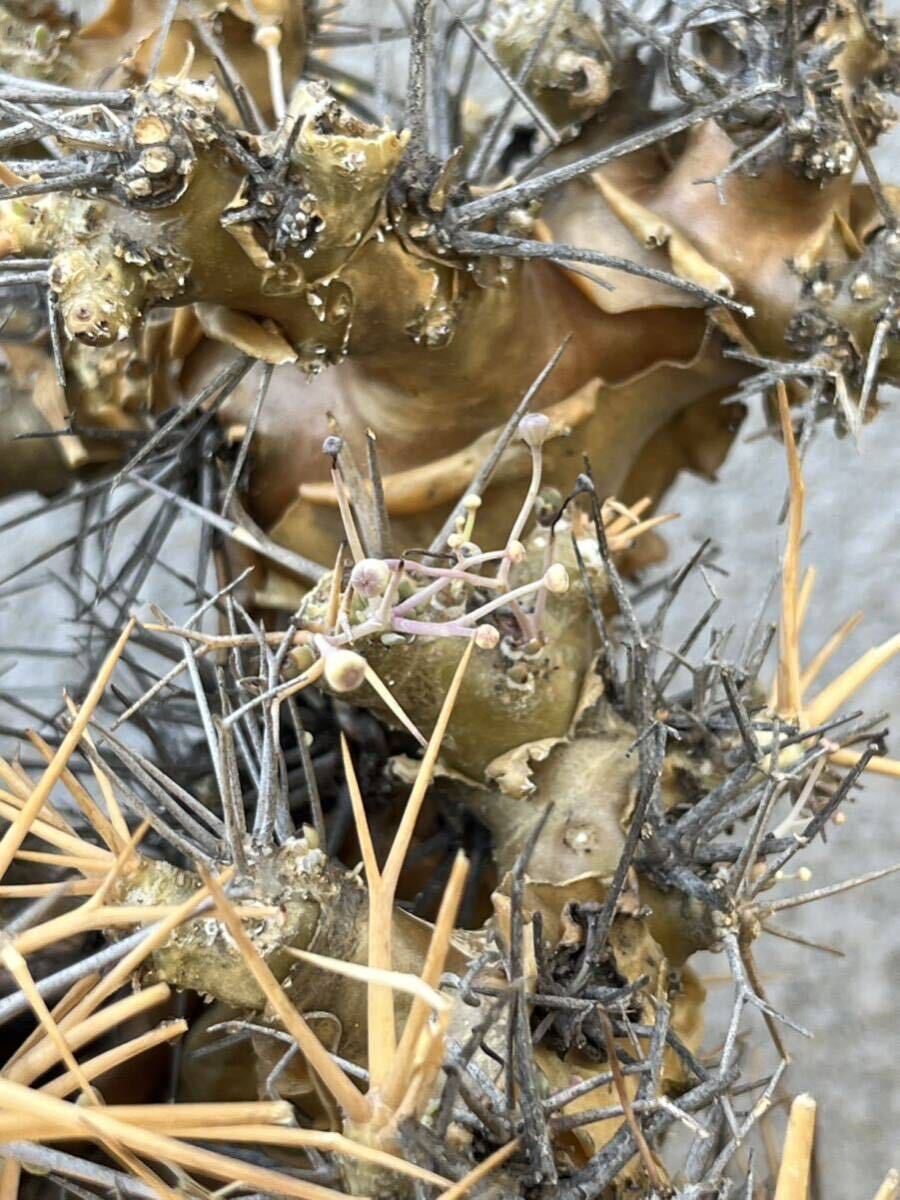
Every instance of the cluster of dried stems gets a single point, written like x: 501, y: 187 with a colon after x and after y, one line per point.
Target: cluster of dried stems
x: 392, y: 883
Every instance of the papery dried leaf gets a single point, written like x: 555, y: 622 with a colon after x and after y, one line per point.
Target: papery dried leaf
x: 244, y: 333
x: 33, y: 370
x: 512, y: 771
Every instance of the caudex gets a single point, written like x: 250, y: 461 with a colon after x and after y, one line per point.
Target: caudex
x: 515, y: 297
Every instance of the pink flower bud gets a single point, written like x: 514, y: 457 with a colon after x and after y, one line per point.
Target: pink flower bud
x: 370, y: 577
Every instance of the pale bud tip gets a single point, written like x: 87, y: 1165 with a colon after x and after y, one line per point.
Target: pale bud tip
x: 344, y: 670
x: 556, y: 579
x: 534, y: 429
x: 486, y: 637
x: 267, y: 36
x: 515, y: 552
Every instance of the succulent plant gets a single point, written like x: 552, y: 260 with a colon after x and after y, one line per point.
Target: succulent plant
x: 415, y: 910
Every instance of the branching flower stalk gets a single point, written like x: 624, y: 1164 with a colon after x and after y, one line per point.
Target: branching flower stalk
x: 391, y: 614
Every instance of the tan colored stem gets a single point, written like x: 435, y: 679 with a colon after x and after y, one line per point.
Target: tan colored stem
x: 18, y: 831
x: 890, y: 1188
x: 839, y: 691
x: 64, y: 1084
x: 877, y: 764
x: 43, y: 1056
x: 475, y: 1176
x: 98, y: 1125
x: 789, y: 691
x: 796, y: 1157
